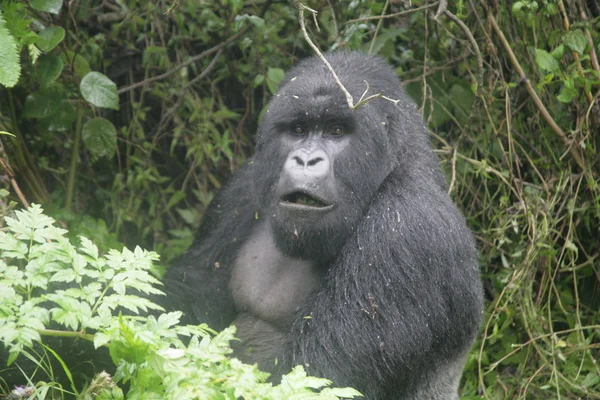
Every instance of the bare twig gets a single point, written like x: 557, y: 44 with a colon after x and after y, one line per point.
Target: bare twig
x: 364, y: 100
x: 11, y: 176
x: 112, y: 17
x: 192, y: 60
x: 475, y: 48
x: 164, y: 118
x: 453, y: 179
x: 349, y: 99
x: 301, y: 8
x: 593, y: 55
x: 335, y: 25
x: 442, y: 8
x: 432, y: 70
x: 172, y: 7
x: 74, y: 161
x: 70, y: 9
x: 425, y: 56
x: 379, y: 23
x: 315, y: 20
x: 206, y: 70
x: 405, y: 12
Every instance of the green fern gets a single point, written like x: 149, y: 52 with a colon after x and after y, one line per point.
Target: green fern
x: 10, y: 68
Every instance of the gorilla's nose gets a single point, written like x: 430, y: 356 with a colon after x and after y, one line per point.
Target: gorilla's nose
x: 313, y: 164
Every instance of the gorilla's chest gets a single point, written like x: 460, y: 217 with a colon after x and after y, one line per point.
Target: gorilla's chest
x: 268, y: 284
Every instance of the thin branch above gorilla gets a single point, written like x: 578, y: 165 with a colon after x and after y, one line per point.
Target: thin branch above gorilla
x: 349, y: 99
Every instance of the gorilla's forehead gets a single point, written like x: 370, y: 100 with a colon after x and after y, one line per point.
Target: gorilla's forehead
x: 316, y: 99
x: 323, y: 85
x: 289, y: 106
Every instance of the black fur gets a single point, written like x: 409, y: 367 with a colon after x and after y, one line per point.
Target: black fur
x: 399, y: 300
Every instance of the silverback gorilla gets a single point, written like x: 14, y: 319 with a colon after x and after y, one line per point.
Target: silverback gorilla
x: 337, y: 246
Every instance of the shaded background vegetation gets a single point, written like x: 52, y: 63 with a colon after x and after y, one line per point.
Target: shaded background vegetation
x: 510, y: 89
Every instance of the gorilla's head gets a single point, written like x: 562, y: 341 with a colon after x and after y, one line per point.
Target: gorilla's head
x: 319, y: 163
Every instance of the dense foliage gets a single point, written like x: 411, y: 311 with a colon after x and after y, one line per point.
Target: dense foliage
x: 122, y: 118
x: 148, y: 351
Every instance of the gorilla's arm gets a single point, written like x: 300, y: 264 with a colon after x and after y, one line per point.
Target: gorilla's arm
x: 199, y: 284
x: 403, y: 296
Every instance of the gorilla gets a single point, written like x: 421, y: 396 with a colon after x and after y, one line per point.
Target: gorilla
x: 336, y: 246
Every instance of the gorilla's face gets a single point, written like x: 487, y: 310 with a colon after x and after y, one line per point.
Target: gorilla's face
x: 320, y: 165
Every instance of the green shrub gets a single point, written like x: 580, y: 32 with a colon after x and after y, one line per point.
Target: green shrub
x: 50, y: 287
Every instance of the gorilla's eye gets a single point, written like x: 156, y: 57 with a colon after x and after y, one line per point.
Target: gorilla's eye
x: 298, y: 130
x: 337, y: 131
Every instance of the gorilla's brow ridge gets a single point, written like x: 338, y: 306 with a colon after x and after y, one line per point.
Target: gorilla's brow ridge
x: 322, y: 119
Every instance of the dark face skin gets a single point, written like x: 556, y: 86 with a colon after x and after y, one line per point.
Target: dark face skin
x: 322, y: 165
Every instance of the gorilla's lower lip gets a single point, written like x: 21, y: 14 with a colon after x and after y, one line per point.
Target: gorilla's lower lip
x: 304, y: 207
x: 300, y: 200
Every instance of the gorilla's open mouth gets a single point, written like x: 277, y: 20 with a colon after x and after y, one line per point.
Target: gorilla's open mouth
x: 304, y: 200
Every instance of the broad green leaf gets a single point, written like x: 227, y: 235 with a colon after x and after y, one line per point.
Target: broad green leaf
x: 10, y: 67
x: 100, y: 137
x: 516, y: 7
x: 519, y: 9
x: 79, y: 64
x: 188, y: 215
x: 41, y: 104
x: 99, y: 90
x: 545, y: 61
x: 575, y: 40
x: 225, y: 113
x: 551, y: 9
x: 51, y: 6
x: 245, y: 43
x: 274, y: 78
x: 236, y: 5
x: 567, y: 95
x: 590, y: 380
x: 50, y: 37
x: 61, y: 120
x: 49, y: 68
x: 548, y: 78
x: 558, y: 52
x: 258, y: 22
x: 258, y: 80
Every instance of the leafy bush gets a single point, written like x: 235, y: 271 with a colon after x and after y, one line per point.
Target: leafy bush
x: 50, y: 287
